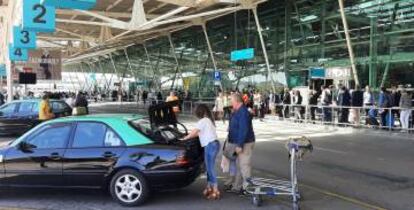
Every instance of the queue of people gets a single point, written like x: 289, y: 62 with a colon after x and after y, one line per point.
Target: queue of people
x: 348, y: 106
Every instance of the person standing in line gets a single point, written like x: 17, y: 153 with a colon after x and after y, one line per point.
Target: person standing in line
x: 297, y: 100
x: 313, y: 102
x: 159, y: 97
x: 227, y: 107
x: 395, y: 96
x: 257, y: 99
x: 357, y: 100
x: 326, y: 98
x: 271, y: 103
x: 344, y: 101
x: 219, y: 106
x: 384, y: 103
x: 206, y: 131
x: 45, y: 112
x: 144, y: 97
x: 286, y: 102
x: 405, y: 105
x: 368, y: 99
x: 242, y: 135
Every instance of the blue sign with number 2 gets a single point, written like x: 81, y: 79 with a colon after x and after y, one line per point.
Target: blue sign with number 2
x: 71, y: 4
x: 23, y: 39
x: 38, y: 17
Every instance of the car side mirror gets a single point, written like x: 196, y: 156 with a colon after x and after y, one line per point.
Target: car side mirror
x: 25, y: 147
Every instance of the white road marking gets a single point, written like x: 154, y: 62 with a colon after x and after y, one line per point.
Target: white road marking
x: 330, y: 150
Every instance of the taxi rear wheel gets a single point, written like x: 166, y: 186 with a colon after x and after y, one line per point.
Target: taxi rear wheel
x: 129, y: 188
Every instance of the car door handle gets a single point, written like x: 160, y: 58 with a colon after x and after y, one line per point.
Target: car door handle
x: 55, y: 156
x: 108, y: 154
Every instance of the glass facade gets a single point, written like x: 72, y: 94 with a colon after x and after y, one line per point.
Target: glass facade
x: 298, y: 35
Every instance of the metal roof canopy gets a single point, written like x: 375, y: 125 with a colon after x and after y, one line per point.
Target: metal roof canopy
x: 115, y: 24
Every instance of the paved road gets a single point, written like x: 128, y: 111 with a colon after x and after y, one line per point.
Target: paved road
x: 349, y: 169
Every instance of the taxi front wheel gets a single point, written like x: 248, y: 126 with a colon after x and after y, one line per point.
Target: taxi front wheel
x: 129, y: 188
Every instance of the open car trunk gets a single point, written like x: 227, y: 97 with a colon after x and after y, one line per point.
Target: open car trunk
x: 167, y: 130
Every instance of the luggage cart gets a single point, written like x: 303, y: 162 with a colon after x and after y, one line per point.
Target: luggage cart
x: 259, y: 187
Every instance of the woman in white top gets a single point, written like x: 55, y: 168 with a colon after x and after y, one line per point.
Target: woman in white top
x: 206, y: 131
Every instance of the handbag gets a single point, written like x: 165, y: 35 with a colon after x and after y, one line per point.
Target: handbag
x: 229, y: 150
x: 79, y: 111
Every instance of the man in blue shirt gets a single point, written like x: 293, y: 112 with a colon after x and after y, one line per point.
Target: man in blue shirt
x: 241, y: 133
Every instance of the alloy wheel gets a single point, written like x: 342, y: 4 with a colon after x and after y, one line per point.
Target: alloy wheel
x: 128, y: 188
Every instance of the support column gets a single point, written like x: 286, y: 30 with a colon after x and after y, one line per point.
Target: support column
x: 115, y: 70
x: 9, y: 79
x: 348, y: 41
x: 259, y: 30
x: 85, y: 76
x: 323, y: 29
x: 77, y: 77
x: 176, y: 61
x: 210, y: 49
x: 129, y: 65
x: 117, y: 76
x: 95, y: 82
x: 373, y: 54
x: 106, y: 87
x: 287, y: 40
x: 149, y: 63
x: 71, y: 81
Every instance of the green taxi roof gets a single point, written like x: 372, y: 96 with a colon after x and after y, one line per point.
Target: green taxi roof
x: 118, y: 122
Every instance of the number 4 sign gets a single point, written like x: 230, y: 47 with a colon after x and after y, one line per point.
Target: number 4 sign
x: 18, y: 54
x: 37, y: 17
x: 23, y: 39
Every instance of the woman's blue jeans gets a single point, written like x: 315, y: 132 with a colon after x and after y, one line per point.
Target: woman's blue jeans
x: 210, y: 154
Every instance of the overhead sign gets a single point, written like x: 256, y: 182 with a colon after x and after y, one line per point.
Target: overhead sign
x: 47, y: 65
x: 3, y: 72
x: 217, y: 76
x: 18, y: 54
x: 245, y: 54
x: 70, y: 4
x: 38, y: 17
x: 23, y: 39
x: 338, y: 73
x: 317, y: 73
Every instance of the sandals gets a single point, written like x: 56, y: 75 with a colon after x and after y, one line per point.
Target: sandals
x: 211, y: 194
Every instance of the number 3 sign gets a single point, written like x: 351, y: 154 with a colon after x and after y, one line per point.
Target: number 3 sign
x: 37, y: 17
x: 23, y: 39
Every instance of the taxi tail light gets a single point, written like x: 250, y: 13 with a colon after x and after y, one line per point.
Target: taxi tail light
x: 182, y: 160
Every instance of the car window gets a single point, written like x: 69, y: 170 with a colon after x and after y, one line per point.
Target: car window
x: 35, y: 107
x: 58, y: 106
x: 93, y: 134
x: 112, y: 139
x: 26, y: 107
x: 89, y: 134
x: 51, y: 137
x: 9, y: 108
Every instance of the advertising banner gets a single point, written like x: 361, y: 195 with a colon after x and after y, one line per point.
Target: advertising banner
x: 46, y: 64
x: 338, y: 73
